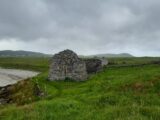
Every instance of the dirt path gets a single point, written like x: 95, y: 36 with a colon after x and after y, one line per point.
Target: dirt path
x: 11, y: 76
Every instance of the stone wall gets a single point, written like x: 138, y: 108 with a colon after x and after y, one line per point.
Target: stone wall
x: 67, y: 65
x: 93, y: 65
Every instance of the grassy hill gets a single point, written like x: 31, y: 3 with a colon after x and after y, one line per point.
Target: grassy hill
x: 125, y: 90
x: 21, y: 53
x: 109, y: 55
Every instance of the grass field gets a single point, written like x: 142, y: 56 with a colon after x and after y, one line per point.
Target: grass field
x: 128, y: 89
x: 27, y: 63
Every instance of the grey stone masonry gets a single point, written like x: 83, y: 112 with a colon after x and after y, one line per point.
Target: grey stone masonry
x: 67, y: 65
x: 93, y: 65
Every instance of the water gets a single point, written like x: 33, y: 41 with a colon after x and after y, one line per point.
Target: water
x: 12, y: 76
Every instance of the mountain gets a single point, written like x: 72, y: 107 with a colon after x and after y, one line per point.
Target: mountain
x: 21, y: 53
x: 112, y: 55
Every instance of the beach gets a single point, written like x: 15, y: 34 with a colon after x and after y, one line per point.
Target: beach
x: 12, y: 76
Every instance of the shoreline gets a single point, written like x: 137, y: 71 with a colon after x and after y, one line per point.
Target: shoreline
x: 12, y: 76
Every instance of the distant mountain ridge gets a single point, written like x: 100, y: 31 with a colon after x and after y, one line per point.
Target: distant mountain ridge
x: 109, y: 55
x: 21, y: 53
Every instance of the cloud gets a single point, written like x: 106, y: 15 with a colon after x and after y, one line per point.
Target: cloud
x: 88, y: 27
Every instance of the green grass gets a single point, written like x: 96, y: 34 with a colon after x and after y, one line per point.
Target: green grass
x: 27, y: 63
x: 117, y: 93
x: 132, y: 61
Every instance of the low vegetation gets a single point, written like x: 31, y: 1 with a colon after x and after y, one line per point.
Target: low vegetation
x: 27, y: 63
x: 127, y: 92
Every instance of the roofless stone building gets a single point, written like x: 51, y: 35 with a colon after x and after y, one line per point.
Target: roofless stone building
x: 67, y: 65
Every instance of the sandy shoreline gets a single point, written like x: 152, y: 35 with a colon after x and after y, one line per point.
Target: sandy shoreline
x: 11, y: 76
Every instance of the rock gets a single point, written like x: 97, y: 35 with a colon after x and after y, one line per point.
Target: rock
x: 104, y: 62
x: 2, y: 101
x: 67, y: 65
x: 37, y: 91
x: 93, y: 65
x: 4, y: 93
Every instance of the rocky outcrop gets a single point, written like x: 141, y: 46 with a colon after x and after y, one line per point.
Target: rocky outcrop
x: 4, y: 95
x: 67, y: 65
x: 20, y: 93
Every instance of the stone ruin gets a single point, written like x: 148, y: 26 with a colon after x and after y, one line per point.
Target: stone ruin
x: 67, y: 65
x: 93, y: 65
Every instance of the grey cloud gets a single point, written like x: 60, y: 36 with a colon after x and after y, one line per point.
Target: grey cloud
x: 87, y: 26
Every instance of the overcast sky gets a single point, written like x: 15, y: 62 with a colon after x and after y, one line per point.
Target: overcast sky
x: 85, y: 26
